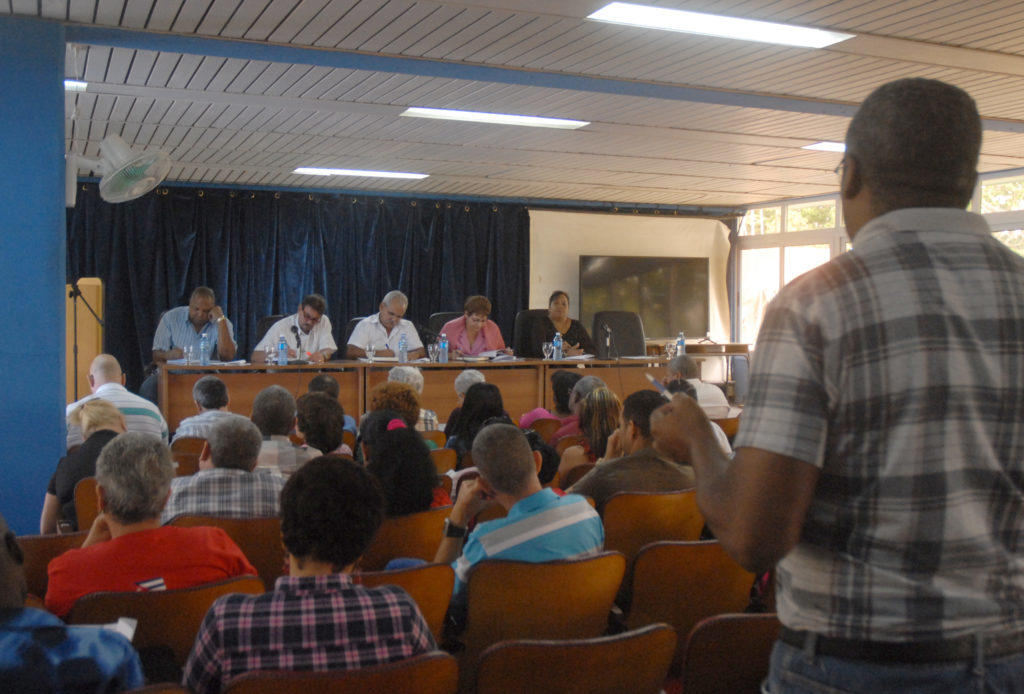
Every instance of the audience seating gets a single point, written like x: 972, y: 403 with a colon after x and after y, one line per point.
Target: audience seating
x: 573, y: 476
x: 444, y: 459
x: 185, y: 452
x: 730, y: 425
x: 567, y: 441
x: 429, y: 585
x: 681, y: 583
x: 627, y: 334
x: 729, y: 653
x: 297, y: 439
x: 546, y: 427
x: 258, y: 538
x: 507, y: 600
x: 633, y: 661
x: 349, y: 439
x: 39, y: 550
x: 465, y: 462
x: 159, y: 688
x: 34, y: 601
x: 87, y: 504
x: 166, y: 617
x: 430, y: 673
x: 417, y: 535
x: 436, y: 435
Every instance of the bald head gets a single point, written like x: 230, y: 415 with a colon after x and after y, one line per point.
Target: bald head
x: 105, y: 369
x: 13, y: 588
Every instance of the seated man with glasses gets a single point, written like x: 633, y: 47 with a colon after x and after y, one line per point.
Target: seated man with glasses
x: 308, y: 332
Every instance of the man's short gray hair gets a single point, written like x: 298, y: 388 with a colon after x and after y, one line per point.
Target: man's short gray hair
x: 234, y: 443
x: 684, y: 365
x: 395, y: 296
x: 407, y: 374
x: 210, y: 393
x: 273, y: 411
x: 467, y: 378
x: 584, y: 387
x: 504, y: 458
x: 135, y: 471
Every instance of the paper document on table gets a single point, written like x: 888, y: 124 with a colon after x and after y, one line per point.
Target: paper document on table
x: 579, y: 357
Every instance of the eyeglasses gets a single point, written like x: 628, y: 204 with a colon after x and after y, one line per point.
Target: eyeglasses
x: 312, y: 319
x: 838, y: 171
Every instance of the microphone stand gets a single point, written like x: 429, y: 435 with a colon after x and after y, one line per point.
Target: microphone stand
x: 75, y: 294
x: 609, y: 341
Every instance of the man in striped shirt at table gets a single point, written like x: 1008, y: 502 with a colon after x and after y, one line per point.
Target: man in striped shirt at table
x: 107, y: 382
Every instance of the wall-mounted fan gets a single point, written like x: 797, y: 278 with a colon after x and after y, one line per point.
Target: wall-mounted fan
x: 126, y: 174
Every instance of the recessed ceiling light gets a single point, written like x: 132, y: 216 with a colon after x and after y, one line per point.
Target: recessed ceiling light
x: 498, y: 118
x: 75, y: 86
x: 357, y: 172
x: 827, y: 146
x: 716, y: 25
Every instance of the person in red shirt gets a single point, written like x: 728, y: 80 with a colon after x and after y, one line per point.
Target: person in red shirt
x: 127, y: 549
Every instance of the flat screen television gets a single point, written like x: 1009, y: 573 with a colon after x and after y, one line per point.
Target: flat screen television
x: 670, y: 294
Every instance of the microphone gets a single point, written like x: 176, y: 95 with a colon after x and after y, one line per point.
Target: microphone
x: 608, y: 337
x: 298, y: 342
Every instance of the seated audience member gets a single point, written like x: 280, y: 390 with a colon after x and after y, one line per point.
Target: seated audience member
x: 399, y: 397
x: 710, y: 397
x: 463, y: 381
x: 483, y: 401
x: 227, y: 484
x: 211, y: 398
x: 107, y: 383
x: 273, y: 411
x: 316, y: 618
x: 127, y: 549
x: 325, y: 383
x: 412, y: 376
x: 599, y: 418
x: 473, y: 332
x: 308, y: 333
x: 540, y: 525
x: 99, y: 421
x: 632, y: 463
x: 684, y: 386
x: 384, y: 329
x: 562, y: 382
x: 400, y: 460
x: 321, y: 421
x: 571, y: 424
x: 38, y: 653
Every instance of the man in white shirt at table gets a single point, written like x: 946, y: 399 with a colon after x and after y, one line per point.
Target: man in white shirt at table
x: 308, y: 333
x: 383, y: 330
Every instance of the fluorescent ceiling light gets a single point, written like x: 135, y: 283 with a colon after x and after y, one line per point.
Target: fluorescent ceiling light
x: 75, y: 85
x: 716, y: 25
x: 357, y: 172
x: 499, y: 118
x: 827, y: 146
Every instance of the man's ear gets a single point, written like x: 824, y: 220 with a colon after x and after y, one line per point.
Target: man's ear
x: 101, y: 501
x: 538, y: 460
x: 853, y: 179
x: 124, y: 379
x: 204, y: 456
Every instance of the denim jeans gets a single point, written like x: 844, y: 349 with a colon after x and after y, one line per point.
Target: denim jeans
x: 794, y: 671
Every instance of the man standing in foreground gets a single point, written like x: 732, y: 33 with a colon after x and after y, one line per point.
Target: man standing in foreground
x: 383, y: 330
x: 880, y: 457
x: 308, y: 333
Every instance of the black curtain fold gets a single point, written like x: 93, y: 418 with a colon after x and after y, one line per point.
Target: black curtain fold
x: 262, y: 251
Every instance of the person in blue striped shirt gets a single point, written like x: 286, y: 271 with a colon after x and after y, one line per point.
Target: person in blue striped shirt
x: 540, y: 525
x: 185, y: 326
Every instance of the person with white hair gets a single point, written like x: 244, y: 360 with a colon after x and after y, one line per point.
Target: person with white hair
x: 465, y: 379
x: 383, y: 330
x: 412, y: 376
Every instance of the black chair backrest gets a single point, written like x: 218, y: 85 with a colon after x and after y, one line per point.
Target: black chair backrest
x: 264, y: 325
x: 627, y: 334
x: 437, y: 320
x: 348, y: 333
x: 522, y: 330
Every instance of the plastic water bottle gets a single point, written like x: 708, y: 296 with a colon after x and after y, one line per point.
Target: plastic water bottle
x: 556, y: 343
x: 442, y: 349
x: 403, y: 348
x: 282, y: 350
x: 681, y: 344
x: 204, y: 350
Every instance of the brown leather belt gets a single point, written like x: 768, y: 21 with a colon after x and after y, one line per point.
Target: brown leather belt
x: 947, y: 650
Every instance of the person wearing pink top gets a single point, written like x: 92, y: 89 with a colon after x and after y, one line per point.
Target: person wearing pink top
x: 473, y: 333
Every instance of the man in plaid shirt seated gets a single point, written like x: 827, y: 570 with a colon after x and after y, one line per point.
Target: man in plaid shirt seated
x: 316, y: 618
x: 227, y: 485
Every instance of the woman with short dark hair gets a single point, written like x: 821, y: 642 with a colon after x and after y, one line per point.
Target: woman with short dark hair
x: 575, y: 338
x: 473, y: 333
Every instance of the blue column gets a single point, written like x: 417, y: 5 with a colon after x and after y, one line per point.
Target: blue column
x: 32, y: 264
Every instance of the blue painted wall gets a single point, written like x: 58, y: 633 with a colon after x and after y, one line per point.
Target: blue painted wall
x: 32, y: 260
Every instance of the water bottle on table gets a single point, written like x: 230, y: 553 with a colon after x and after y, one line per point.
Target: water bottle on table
x: 204, y: 350
x: 680, y: 344
x: 442, y: 349
x: 556, y: 344
x: 403, y: 348
x: 282, y: 350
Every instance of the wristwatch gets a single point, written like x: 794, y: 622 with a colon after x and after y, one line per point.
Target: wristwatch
x: 452, y: 530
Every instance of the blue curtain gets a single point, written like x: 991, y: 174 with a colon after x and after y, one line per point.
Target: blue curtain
x: 262, y: 251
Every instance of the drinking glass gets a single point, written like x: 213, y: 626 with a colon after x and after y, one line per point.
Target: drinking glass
x: 190, y: 355
x: 434, y: 350
x: 548, y: 348
x: 670, y: 349
x: 271, y: 354
x: 369, y: 351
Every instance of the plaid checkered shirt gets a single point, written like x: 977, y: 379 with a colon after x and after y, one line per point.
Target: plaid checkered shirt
x: 306, y: 623
x: 225, y: 493
x: 898, y: 370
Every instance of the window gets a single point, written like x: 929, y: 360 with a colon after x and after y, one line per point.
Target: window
x: 1002, y: 195
x: 1013, y: 238
x: 811, y: 215
x: 801, y: 259
x: 765, y: 220
x: 759, y: 283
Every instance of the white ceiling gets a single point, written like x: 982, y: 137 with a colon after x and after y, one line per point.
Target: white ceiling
x: 244, y: 91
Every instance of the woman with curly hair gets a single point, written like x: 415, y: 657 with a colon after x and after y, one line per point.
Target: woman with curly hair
x: 599, y: 419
